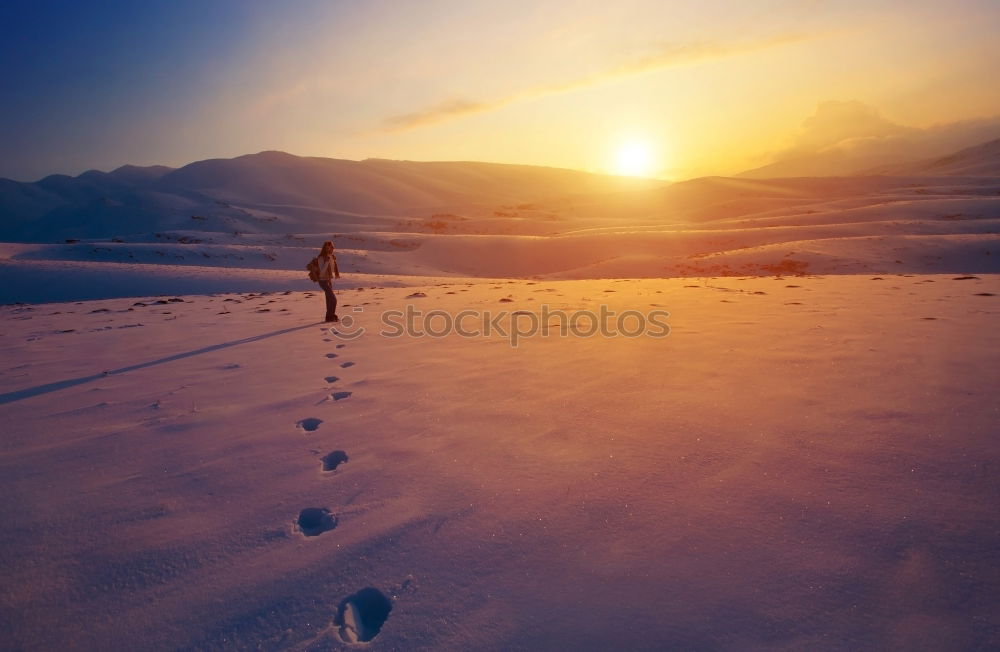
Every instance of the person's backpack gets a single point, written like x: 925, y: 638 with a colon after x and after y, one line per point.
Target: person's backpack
x: 313, y: 269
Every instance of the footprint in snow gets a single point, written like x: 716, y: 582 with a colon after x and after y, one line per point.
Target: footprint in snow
x: 345, y: 365
x: 331, y: 355
x: 310, y: 424
x: 332, y: 460
x: 339, y: 396
x: 314, y: 521
x: 360, y: 617
x: 340, y: 346
x: 331, y: 379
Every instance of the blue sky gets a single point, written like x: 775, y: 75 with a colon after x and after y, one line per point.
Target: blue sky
x: 709, y: 87
x: 92, y: 82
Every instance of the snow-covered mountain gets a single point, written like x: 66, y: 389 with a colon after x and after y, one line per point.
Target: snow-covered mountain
x: 96, y: 234
x: 276, y: 192
x: 979, y: 160
x: 982, y: 160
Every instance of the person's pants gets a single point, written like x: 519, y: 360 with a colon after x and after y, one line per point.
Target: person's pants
x: 331, y: 299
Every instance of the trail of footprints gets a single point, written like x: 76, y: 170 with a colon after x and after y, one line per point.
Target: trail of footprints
x: 360, y: 616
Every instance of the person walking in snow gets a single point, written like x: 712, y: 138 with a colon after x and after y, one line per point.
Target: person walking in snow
x: 325, y: 265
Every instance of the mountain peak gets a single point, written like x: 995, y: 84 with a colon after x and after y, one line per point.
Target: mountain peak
x: 270, y: 154
x: 140, y: 174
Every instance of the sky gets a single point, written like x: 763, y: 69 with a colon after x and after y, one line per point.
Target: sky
x: 665, y: 88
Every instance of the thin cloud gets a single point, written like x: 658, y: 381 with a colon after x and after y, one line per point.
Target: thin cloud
x: 666, y: 57
x: 440, y: 112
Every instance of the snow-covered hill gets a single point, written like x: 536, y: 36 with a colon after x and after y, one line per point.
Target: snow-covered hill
x: 264, y: 216
x: 979, y: 161
x: 274, y: 192
x: 865, y: 158
x: 715, y: 227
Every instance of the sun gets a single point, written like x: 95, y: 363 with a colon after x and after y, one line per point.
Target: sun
x: 634, y: 159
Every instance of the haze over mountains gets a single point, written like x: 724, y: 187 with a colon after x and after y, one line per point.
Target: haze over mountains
x: 843, y: 138
x: 980, y: 160
x: 977, y: 160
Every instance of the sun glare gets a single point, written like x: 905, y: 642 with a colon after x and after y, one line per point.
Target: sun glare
x: 634, y: 159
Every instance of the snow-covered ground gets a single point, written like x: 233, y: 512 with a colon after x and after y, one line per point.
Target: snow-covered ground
x: 804, y: 462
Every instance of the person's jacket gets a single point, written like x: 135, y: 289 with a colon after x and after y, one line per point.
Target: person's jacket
x: 327, y: 267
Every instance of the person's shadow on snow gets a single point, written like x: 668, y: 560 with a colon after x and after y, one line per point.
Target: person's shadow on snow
x: 20, y: 394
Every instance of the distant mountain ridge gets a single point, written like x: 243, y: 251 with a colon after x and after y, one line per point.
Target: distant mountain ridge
x: 276, y: 192
x: 981, y: 160
x: 273, y: 189
x: 978, y: 160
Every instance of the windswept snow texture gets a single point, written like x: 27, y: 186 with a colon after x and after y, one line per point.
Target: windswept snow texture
x: 804, y: 463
